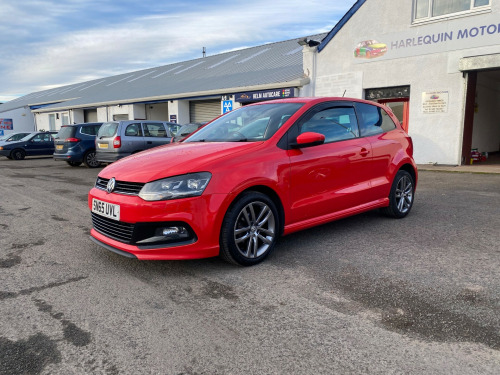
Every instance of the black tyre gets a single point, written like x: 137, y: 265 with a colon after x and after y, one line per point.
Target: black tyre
x: 90, y: 159
x: 18, y: 154
x: 74, y: 163
x: 250, y: 229
x: 401, y: 195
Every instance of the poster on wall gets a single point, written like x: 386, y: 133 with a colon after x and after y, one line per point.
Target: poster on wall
x: 6, y: 124
x: 435, y: 102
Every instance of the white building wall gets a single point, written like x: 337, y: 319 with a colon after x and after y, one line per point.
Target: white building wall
x: 179, y: 108
x: 425, y: 68
x: 22, y: 120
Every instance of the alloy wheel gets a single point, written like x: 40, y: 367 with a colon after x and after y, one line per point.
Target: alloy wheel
x: 404, y: 194
x: 254, y: 230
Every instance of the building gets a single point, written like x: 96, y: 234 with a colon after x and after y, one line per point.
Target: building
x: 435, y: 62
x: 189, y: 91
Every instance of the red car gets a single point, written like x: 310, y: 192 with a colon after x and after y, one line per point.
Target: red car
x: 252, y: 175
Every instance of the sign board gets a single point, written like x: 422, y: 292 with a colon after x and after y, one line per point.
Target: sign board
x: 173, y: 118
x: 437, y: 37
x: 227, y: 106
x: 1, y: 132
x: 435, y: 102
x: 257, y: 96
x: 6, y: 124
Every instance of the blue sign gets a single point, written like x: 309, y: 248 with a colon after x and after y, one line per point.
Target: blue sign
x: 1, y: 132
x: 258, y: 96
x: 6, y: 124
x: 173, y: 118
x: 227, y: 106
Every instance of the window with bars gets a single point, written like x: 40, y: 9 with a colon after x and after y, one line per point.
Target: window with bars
x: 427, y: 9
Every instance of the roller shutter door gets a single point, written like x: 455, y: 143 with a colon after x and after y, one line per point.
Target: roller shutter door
x: 90, y: 115
x: 206, y: 110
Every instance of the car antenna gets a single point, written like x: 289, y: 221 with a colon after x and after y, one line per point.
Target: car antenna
x: 344, y: 93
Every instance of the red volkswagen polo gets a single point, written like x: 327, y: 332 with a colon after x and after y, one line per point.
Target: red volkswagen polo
x: 252, y: 175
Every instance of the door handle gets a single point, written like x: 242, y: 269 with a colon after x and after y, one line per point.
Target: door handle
x: 364, y: 152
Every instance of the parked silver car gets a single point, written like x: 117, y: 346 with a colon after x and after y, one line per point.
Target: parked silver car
x: 118, y: 139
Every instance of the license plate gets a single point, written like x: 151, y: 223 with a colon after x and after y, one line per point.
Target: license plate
x: 106, y: 209
x: 59, y: 147
x: 102, y: 145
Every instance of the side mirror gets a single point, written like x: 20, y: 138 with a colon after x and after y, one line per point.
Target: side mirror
x: 309, y: 139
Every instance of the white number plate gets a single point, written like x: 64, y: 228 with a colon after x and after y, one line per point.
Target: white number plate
x: 102, y: 145
x: 106, y: 209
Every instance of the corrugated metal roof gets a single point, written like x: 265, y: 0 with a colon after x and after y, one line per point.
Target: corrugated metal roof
x: 277, y: 63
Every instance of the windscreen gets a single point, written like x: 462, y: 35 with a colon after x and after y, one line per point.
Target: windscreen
x: 247, y: 124
x: 66, y: 132
x: 108, y: 129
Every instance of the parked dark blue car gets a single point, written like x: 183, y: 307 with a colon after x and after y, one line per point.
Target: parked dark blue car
x: 75, y: 144
x: 34, y: 144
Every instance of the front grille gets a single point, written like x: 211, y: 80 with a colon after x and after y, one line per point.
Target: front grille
x: 121, y: 187
x: 117, y: 230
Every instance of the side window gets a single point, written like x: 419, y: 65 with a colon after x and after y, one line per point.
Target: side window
x: 37, y: 138
x: 86, y: 130
x: 336, y: 124
x: 133, y: 130
x: 154, y: 130
x: 373, y: 120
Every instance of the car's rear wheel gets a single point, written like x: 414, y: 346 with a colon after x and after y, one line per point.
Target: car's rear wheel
x: 250, y: 229
x: 90, y: 159
x: 74, y: 163
x: 18, y: 154
x: 401, y: 195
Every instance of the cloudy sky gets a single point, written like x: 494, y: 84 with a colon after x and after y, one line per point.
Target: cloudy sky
x: 50, y: 43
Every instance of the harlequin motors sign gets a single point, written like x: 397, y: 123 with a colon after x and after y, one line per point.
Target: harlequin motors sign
x: 438, y: 37
x: 6, y: 124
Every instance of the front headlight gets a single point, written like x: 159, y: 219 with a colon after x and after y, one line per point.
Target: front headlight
x: 188, y: 185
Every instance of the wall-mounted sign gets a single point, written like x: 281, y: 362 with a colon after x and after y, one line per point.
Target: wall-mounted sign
x: 452, y: 35
x: 6, y: 124
x: 1, y: 132
x: 173, y: 118
x: 227, y: 106
x: 257, y: 96
x: 435, y: 102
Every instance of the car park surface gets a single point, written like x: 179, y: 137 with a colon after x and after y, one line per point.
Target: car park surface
x: 237, y: 184
x: 118, y: 139
x: 75, y: 144
x: 361, y: 295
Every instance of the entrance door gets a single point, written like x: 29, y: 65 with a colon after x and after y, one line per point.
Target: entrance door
x: 401, y: 108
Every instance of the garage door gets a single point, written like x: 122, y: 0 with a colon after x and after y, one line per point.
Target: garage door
x: 206, y: 110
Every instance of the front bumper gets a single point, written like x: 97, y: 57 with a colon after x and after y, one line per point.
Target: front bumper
x: 202, y: 215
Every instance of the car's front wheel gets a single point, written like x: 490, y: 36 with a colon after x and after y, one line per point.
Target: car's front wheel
x: 18, y: 154
x: 90, y: 160
x: 250, y: 229
x: 401, y: 195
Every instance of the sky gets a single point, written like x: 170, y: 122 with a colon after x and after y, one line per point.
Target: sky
x: 50, y: 43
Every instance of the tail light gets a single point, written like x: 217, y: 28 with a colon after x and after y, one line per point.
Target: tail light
x: 73, y: 140
x: 117, y: 142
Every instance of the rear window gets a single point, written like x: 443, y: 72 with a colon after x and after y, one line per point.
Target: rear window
x: 374, y: 120
x: 108, y: 129
x: 66, y: 132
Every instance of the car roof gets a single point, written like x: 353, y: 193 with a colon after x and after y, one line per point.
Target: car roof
x: 317, y: 100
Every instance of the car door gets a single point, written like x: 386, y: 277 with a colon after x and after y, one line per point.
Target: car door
x: 155, y: 134
x: 133, y: 138
x: 378, y: 127
x: 330, y: 177
x: 40, y: 144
